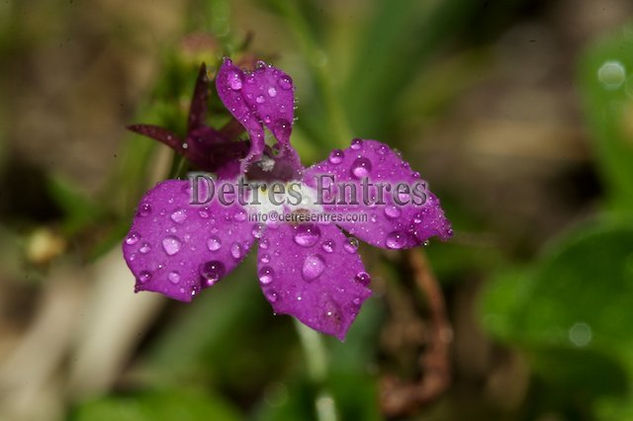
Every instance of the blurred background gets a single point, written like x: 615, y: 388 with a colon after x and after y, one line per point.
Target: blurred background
x: 518, y: 113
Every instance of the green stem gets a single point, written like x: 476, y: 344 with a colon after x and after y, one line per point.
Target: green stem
x: 314, y: 351
x: 319, y: 66
x: 316, y: 360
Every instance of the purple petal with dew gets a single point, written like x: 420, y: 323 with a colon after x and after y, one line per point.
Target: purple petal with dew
x: 310, y: 271
x: 264, y: 96
x: 390, y: 225
x: 177, y: 249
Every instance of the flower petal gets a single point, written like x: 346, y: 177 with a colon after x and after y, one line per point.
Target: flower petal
x: 198, y: 107
x: 265, y: 96
x: 388, y: 225
x: 165, y: 136
x: 210, y: 152
x: 176, y: 248
x: 310, y: 272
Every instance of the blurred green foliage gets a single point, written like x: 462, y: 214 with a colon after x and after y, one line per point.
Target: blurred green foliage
x: 567, y: 311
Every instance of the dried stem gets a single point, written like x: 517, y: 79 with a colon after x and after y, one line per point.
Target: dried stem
x: 398, y: 398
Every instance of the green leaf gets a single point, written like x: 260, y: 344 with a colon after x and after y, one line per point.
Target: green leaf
x: 164, y: 405
x: 571, y: 312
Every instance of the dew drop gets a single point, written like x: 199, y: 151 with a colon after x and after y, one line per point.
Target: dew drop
x: 363, y: 278
x: 313, y: 267
x: 328, y: 246
x: 145, y: 248
x: 257, y: 231
x: 382, y: 149
x: 260, y: 99
x: 174, y: 277
x: 144, y: 209
x: 132, y: 238
x: 336, y: 156
x: 144, y: 276
x: 171, y: 245
x: 307, y: 235
x: 236, y: 251
x: 350, y: 245
x: 361, y: 168
x: 211, y: 272
x: 266, y: 275
x: 235, y: 81
x: 285, y: 82
x: 272, y: 92
x: 395, y: 240
x: 179, y: 216
x: 214, y: 244
x: 240, y: 216
x: 264, y: 244
x: 204, y: 213
x: 356, y: 144
x: 392, y: 211
x: 272, y: 296
x: 281, y: 128
x: 265, y: 258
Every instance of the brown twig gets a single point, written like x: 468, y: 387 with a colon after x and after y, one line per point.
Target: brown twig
x: 398, y: 398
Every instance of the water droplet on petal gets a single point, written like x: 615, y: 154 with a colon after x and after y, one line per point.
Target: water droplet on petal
x: 211, y: 272
x: 307, y: 235
x: 236, y: 250
x: 328, y: 246
x: 265, y: 258
x: 144, y: 209
x: 260, y: 99
x: 313, y: 267
x: 179, y: 216
x: 264, y: 244
x: 171, y: 245
x: 214, y: 244
x: 204, y: 213
x: 144, y: 276
x: 356, y: 144
x: 174, y: 277
x: 363, y: 278
x: 285, y: 82
x: 257, y: 231
x: 132, y: 238
x: 350, y: 245
x: 272, y: 92
x: 145, y: 248
x: 382, y: 149
x: 336, y: 156
x: 266, y: 275
x: 395, y: 240
x: 240, y: 216
x: 235, y: 81
x: 272, y: 296
x: 361, y: 167
x: 392, y: 211
x: 281, y: 128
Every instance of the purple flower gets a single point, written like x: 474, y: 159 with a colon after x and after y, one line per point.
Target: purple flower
x: 310, y: 271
